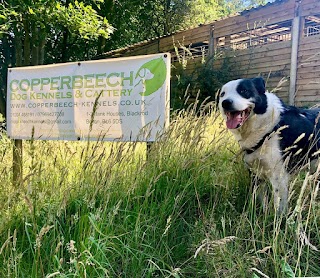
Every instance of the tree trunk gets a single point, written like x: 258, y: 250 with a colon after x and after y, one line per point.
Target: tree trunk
x: 8, y: 61
x: 101, y: 45
x: 41, y: 51
x: 64, y: 56
x: 18, y: 48
x: 35, y: 45
x: 166, y: 17
x: 27, y: 49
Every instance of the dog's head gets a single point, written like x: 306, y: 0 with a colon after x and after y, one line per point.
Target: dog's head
x: 240, y: 99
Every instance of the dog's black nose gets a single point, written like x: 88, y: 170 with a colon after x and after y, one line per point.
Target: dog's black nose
x: 227, y: 104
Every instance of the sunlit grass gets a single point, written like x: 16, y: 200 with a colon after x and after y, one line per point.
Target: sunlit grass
x: 107, y: 210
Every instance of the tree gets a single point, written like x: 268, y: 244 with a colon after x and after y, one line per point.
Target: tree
x: 35, y: 32
x: 233, y: 6
x: 136, y: 21
x: 49, y: 31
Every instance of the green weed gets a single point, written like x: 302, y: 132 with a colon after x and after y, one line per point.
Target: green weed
x: 188, y: 209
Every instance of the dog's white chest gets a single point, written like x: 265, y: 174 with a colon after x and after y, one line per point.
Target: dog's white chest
x: 267, y: 158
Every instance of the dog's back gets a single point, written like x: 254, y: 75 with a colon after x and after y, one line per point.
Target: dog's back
x: 299, y: 135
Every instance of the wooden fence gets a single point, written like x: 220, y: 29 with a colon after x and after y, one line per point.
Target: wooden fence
x: 279, y: 41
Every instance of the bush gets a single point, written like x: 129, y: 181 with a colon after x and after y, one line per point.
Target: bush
x: 201, y: 83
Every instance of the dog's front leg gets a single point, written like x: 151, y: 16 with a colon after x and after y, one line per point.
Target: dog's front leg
x: 279, y: 179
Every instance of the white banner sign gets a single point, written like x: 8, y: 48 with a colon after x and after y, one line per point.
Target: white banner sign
x: 123, y: 99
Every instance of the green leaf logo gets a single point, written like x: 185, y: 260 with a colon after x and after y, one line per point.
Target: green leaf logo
x: 151, y: 76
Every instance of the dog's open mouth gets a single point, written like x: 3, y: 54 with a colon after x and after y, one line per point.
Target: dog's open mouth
x: 236, y: 119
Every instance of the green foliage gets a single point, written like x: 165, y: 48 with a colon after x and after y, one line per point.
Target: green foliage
x: 202, y: 83
x: 233, y: 6
x: 210, y: 79
x: 47, y: 31
x: 203, y: 11
x: 83, y: 19
x: 102, y: 210
x: 287, y: 270
x: 138, y: 21
x: 48, y: 15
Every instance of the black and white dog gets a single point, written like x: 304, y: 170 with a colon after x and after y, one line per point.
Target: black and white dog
x: 276, y: 139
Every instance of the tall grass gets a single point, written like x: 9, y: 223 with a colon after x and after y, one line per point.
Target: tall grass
x: 187, y: 210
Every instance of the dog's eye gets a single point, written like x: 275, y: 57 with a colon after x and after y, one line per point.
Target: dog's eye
x: 222, y: 94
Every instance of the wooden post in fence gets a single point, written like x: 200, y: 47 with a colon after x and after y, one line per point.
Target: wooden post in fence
x: 295, y: 38
x: 211, y: 41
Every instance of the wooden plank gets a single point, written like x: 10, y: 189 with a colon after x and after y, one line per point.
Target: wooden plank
x: 307, y: 39
x: 197, y: 34
x: 312, y: 57
x: 202, y: 30
x: 165, y: 41
x: 187, y: 40
x: 309, y: 98
x: 275, y: 82
x: 305, y: 54
x: 254, y: 20
x: 259, y: 49
x: 310, y: 8
x: 263, y: 54
x: 305, y: 2
x: 310, y: 86
x: 246, y: 74
x: 270, y: 65
x: 309, y: 43
x: 281, y: 91
x: 259, y: 67
x: 267, y: 15
x: 282, y: 94
x: 309, y: 55
x: 247, y: 60
x: 178, y: 44
x: 309, y: 62
x: 267, y: 59
x: 305, y: 104
x: 144, y: 49
x: 285, y: 100
x: 262, y: 67
x: 284, y: 71
x: 309, y: 83
x: 258, y: 56
x: 312, y: 75
x: 305, y: 69
x: 313, y: 92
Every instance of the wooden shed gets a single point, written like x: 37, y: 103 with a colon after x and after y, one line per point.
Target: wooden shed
x: 279, y: 41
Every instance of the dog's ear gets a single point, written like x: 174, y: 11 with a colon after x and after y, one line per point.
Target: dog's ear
x: 261, y: 99
x: 259, y: 84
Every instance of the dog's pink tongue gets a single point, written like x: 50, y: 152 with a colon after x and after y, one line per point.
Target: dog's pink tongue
x: 234, y: 120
